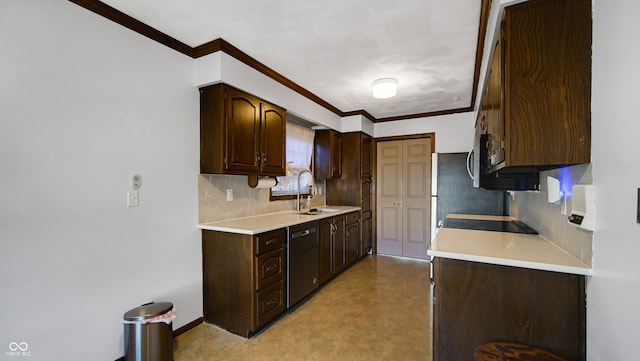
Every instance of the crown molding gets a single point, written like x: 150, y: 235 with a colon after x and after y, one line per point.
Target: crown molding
x: 220, y: 44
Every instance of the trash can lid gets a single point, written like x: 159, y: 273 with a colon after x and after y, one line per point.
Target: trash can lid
x: 149, y: 310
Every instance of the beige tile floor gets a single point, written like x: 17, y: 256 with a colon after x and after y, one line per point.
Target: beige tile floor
x: 379, y: 309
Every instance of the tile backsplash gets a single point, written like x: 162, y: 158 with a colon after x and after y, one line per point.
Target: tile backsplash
x: 533, y: 209
x: 247, y: 201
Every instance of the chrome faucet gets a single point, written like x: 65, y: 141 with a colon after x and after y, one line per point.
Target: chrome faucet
x: 299, y: 175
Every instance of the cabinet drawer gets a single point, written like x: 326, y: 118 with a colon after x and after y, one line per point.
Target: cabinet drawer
x: 269, y: 241
x: 270, y: 303
x: 353, y: 217
x: 270, y: 268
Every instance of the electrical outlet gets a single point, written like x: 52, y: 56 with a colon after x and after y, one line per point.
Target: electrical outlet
x: 133, y: 199
x: 229, y: 195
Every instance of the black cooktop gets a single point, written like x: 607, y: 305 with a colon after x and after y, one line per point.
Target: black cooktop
x: 488, y: 225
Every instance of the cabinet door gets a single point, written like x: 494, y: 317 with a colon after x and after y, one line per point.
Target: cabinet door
x: 352, y: 241
x: 365, y: 156
x: 478, y: 302
x: 366, y: 195
x: 366, y: 233
x: 242, y: 127
x: 547, y: 57
x: 336, y: 154
x: 325, y: 265
x: 327, y: 154
x: 339, y: 243
x: 272, y: 139
x: 495, y: 109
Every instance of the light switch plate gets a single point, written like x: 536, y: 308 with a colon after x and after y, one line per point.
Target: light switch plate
x: 229, y: 195
x: 133, y: 199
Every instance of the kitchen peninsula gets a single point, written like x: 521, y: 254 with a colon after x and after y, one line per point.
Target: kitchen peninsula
x: 502, y: 286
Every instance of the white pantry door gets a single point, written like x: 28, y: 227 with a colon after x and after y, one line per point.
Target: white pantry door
x: 404, y: 197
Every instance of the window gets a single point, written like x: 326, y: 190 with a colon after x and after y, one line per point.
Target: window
x: 299, y: 152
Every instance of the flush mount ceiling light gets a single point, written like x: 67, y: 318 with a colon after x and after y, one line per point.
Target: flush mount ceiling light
x: 384, y: 88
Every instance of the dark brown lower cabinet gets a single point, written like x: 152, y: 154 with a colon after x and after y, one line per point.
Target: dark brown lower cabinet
x: 352, y: 237
x: 475, y: 303
x: 339, y: 244
x: 339, y: 238
x: 243, y: 279
x: 325, y: 238
x: 366, y: 234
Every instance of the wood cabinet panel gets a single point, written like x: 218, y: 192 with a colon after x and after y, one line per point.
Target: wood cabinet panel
x: 243, y: 279
x: 494, y: 109
x: 270, y: 303
x: 336, y: 248
x: 475, y: 303
x: 212, y: 130
x: 242, y: 126
x: 240, y: 133
x: 366, y: 233
x: 269, y: 241
x: 270, y: 268
x: 366, y: 155
x: 366, y: 195
x: 325, y: 237
x: 548, y: 82
x: 273, y: 140
x: 353, y: 217
x: 536, y: 108
x: 339, y: 244
x: 352, y: 237
x: 327, y: 155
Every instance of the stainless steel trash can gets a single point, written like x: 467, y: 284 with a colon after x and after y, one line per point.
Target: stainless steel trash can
x: 148, y: 332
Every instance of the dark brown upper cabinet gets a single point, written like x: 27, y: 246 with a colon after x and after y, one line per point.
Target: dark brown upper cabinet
x: 327, y: 154
x: 535, y: 113
x: 240, y: 134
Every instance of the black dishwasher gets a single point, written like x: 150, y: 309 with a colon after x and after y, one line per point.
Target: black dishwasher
x: 302, y: 258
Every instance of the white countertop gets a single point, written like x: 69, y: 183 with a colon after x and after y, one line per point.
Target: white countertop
x: 268, y: 222
x: 504, y: 248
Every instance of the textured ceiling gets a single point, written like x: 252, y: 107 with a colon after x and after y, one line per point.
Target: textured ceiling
x: 337, y: 48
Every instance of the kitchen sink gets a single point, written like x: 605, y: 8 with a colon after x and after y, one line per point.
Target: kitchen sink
x: 328, y: 210
x: 316, y: 211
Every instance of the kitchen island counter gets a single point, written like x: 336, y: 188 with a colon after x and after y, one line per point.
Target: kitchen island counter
x: 268, y: 222
x: 504, y: 248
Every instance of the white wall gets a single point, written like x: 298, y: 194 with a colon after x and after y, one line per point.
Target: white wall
x: 84, y: 105
x: 613, y: 293
x: 454, y: 132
